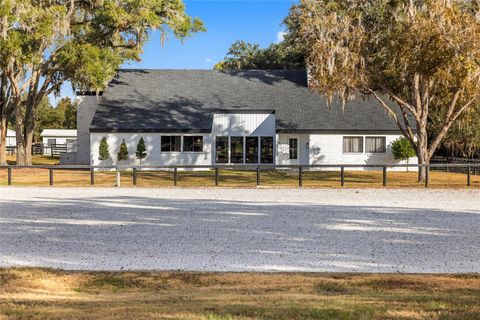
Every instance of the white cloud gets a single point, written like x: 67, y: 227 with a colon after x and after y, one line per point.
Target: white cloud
x: 281, y: 36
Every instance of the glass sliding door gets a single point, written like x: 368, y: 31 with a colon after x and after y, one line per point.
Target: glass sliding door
x: 236, y: 149
x: 221, y: 149
x: 251, y: 150
x: 266, y: 149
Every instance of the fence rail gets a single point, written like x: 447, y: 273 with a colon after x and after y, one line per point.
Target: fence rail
x: 258, y: 168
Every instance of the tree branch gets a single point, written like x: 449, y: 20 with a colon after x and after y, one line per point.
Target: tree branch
x: 407, y: 131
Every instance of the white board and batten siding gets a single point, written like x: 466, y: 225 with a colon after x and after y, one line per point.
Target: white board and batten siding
x: 228, y: 124
x: 244, y: 124
x: 155, y: 157
x: 328, y: 149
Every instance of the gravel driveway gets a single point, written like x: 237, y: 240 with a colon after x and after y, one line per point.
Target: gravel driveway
x: 241, y: 229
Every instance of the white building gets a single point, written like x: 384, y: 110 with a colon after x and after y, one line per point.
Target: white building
x: 11, y: 138
x: 203, y: 117
x: 61, y: 139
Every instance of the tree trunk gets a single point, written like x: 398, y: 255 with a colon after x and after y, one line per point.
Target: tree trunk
x: 24, y: 126
x: 3, y: 140
x: 24, y: 149
x: 422, y: 154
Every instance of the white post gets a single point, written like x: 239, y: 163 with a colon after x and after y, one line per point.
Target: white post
x: 117, y: 180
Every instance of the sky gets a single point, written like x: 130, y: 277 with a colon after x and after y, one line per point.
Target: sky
x: 257, y: 21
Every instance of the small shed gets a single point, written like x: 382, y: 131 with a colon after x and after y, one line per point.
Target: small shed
x: 11, y: 138
x: 57, y: 139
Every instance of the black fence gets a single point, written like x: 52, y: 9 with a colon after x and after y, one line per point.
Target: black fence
x: 469, y: 169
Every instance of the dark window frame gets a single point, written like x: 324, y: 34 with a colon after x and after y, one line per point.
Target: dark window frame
x: 255, y: 154
x: 195, y: 145
x: 383, y: 146
x: 362, y: 145
x: 262, y: 157
x: 226, y: 149
x: 172, y: 146
x: 237, y: 157
x: 292, y: 149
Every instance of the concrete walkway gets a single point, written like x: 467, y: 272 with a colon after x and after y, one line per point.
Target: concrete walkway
x: 241, y: 229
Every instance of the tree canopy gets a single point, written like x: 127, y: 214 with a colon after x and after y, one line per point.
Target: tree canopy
x: 413, y: 56
x: 287, y: 54
x: 63, y: 116
x: 44, y: 44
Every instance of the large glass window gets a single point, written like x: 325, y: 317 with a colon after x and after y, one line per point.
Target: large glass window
x: 221, y: 149
x: 375, y: 144
x: 236, y: 149
x: 193, y: 143
x: 251, y: 149
x: 266, y: 149
x: 293, y: 148
x: 170, y: 144
x: 353, y: 144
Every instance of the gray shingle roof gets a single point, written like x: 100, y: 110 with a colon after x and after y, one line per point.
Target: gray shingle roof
x: 185, y: 100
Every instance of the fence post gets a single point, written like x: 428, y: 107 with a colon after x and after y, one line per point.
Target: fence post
x: 468, y: 176
x: 258, y: 176
x: 92, y: 176
x: 51, y: 176
x: 9, y: 176
x: 216, y: 176
x: 342, y: 176
x: 427, y: 175
x: 175, y: 177
x: 117, y: 178
x: 384, y: 176
x: 134, y: 176
x: 300, y: 176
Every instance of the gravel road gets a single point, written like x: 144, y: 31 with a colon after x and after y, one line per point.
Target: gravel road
x: 218, y: 229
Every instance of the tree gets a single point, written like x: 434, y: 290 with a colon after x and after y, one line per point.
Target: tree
x: 44, y: 44
x: 103, y: 152
x: 287, y: 54
x: 63, y: 116
x: 141, y: 152
x: 412, y: 56
x: 463, y: 138
x: 68, y: 109
x: 48, y: 117
x: 6, y: 110
x: 402, y: 150
x: 122, y: 152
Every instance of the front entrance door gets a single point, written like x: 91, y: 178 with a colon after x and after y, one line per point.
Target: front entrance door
x: 293, y: 150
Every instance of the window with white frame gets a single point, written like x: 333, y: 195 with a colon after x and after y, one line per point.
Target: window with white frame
x: 353, y: 144
x: 375, y: 144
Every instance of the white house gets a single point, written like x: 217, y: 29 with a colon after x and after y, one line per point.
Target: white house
x: 206, y: 117
x: 60, y: 138
x: 11, y: 138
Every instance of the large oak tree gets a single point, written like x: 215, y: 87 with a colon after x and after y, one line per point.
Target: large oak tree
x: 46, y: 43
x: 412, y: 56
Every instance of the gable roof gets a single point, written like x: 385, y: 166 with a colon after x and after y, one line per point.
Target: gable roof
x: 185, y: 101
x: 59, y: 133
